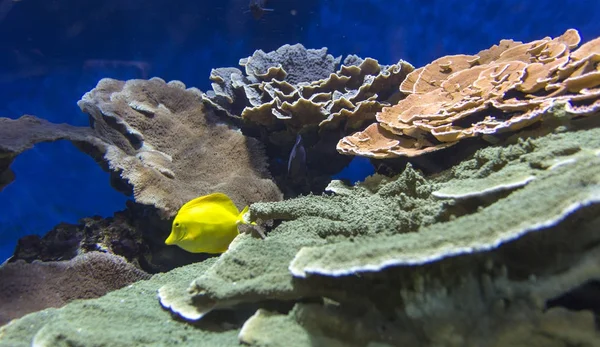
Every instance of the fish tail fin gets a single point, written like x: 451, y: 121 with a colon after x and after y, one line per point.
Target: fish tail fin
x: 243, y: 216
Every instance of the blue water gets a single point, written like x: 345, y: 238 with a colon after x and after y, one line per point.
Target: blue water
x: 51, y: 52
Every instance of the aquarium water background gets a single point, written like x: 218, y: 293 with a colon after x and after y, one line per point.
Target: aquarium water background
x: 53, y: 51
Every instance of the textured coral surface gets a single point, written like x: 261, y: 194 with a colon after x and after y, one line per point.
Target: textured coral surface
x: 507, y: 87
x: 30, y: 287
x: 160, y: 142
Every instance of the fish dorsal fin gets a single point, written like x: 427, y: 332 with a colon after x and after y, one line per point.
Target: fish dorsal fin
x: 215, y: 198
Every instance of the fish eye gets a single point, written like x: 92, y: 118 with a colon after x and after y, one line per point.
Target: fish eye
x: 177, y: 224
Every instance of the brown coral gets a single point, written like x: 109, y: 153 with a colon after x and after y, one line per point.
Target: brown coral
x: 505, y: 88
x: 28, y: 287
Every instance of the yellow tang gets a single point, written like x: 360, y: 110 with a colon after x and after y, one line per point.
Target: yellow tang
x: 206, y: 224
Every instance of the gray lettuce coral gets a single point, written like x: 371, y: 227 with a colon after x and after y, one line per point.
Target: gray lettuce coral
x: 294, y: 87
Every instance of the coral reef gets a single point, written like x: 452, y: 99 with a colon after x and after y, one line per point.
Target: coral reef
x: 499, y: 249
x: 160, y: 142
x: 28, y: 287
x: 295, y: 90
x: 505, y: 88
x: 494, y: 251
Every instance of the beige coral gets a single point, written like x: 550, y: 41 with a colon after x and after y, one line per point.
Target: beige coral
x: 505, y: 88
x: 160, y: 142
x: 171, y: 148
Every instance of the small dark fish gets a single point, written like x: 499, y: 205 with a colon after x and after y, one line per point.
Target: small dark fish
x: 297, y: 161
x: 257, y: 8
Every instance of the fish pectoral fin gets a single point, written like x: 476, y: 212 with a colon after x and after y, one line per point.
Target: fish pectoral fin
x: 243, y: 217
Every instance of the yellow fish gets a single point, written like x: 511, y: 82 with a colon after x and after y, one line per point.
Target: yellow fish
x: 206, y: 224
